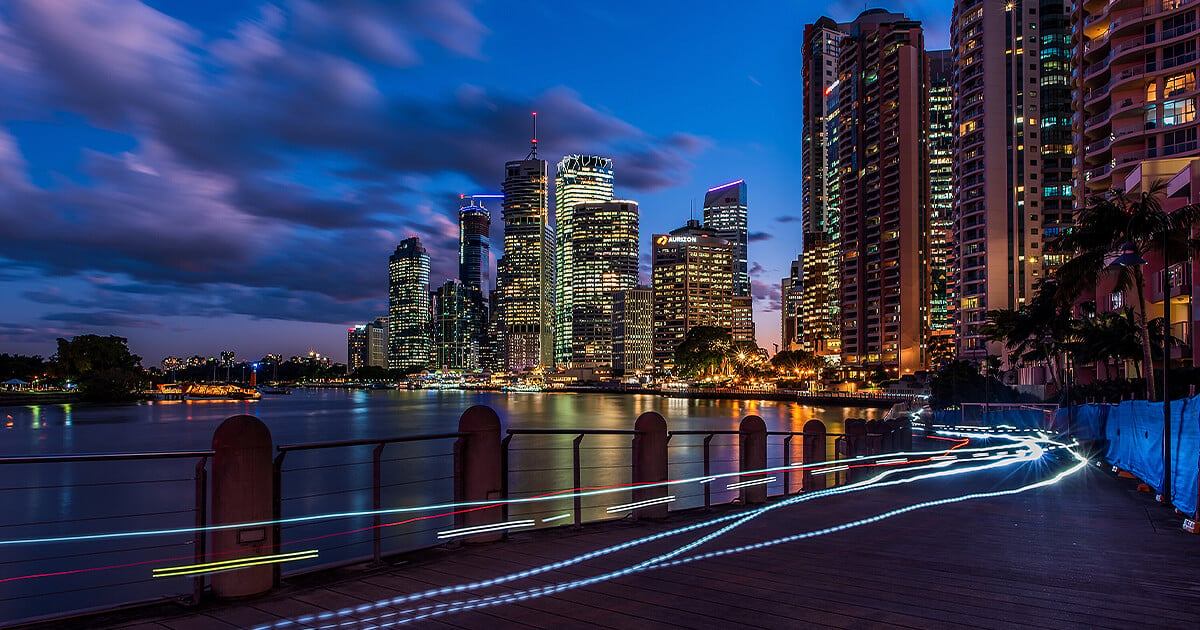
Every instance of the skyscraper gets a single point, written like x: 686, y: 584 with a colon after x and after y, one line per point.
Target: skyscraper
x: 458, y: 326
x: 604, y: 260
x: 1137, y: 67
x: 725, y: 212
x: 693, y: 286
x: 409, y: 340
x: 791, y: 307
x: 820, y: 329
x: 366, y: 345
x: 578, y: 179
x: 526, y: 271
x: 942, y: 259
x: 633, y: 330
x: 883, y: 112
x: 1012, y: 153
x: 474, y: 245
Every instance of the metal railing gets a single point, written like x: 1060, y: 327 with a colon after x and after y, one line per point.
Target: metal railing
x: 376, y: 488
x: 103, y: 500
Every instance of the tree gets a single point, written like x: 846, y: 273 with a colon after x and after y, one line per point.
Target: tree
x: 960, y: 381
x: 26, y: 368
x: 705, y: 351
x: 103, y: 366
x: 1114, y: 223
x: 1039, y: 331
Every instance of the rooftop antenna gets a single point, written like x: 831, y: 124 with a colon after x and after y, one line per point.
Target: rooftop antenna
x: 533, y: 143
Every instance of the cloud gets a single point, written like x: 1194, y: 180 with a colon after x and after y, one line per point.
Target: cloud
x: 767, y: 297
x: 757, y: 270
x: 26, y: 334
x: 755, y: 237
x: 273, y: 171
x: 787, y: 219
x: 102, y: 320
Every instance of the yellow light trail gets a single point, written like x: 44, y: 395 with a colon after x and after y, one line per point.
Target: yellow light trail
x: 229, y: 565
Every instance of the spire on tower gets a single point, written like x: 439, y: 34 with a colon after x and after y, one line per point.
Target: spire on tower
x: 533, y: 142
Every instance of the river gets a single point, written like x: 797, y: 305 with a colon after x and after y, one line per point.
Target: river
x: 88, y: 498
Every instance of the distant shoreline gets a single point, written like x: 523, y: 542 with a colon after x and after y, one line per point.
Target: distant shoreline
x: 24, y: 399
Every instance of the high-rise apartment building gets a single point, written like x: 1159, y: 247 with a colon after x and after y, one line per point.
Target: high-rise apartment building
x: 526, y: 271
x: 791, y: 307
x: 883, y: 196
x: 693, y: 286
x: 1012, y: 153
x: 603, y: 260
x: 409, y: 341
x: 458, y: 326
x: 725, y: 211
x: 1137, y: 66
x: 942, y: 258
x: 578, y: 179
x: 366, y: 345
x: 820, y: 329
x: 633, y: 331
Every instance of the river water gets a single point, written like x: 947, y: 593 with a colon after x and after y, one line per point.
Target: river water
x: 59, y: 500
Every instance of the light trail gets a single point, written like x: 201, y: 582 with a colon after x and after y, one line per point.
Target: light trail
x: 747, y: 484
x: 461, y: 507
x: 664, y: 560
x: 477, y: 506
x: 877, y: 481
x: 484, y: 529
x: 230, y: 565
x: 640, y: 504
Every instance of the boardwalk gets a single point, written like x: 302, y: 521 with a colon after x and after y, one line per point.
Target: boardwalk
x: 1087, y: 552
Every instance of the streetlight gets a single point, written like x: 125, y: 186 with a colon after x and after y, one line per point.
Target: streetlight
x: 1130, y: 258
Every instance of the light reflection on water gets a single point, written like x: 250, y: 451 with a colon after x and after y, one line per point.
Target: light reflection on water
x: 325, y: 480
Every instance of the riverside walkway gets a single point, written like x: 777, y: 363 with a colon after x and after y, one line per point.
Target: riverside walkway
x: 1088, y: 551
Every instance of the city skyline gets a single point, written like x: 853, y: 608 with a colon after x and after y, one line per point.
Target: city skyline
x: 261, y: 232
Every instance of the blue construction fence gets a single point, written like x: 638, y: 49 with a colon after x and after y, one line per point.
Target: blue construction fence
x: 1130, y: 437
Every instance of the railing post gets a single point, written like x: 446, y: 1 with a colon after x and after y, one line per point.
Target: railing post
x: 377, y: 499
x: 787, y: 465
x: 814, y: 452
x: 707, y: 471
x: 650, y: 463
x: 504, y: 477
x: 243, y: 480
x: 578, y: 481
x: 874, y: 441
x: 201, y: 537
x: 277, y: 513
x: 752, y: 455
x: 477, y: 470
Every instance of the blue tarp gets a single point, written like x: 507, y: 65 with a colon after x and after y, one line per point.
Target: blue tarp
x: 1134, y: 430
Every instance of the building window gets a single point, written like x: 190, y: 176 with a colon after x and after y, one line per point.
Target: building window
x: 1179, y: 112
x: 1179, y: 83
x: 1152, y: 91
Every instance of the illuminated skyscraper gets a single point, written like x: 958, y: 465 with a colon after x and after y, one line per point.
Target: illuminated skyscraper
x: 820, y: 328
x: 942, y: 259
x: 458, y: 326
x: 725, y: 212
x: 526, y: 271
x: 579, y: 179
x: 409, y: 341
x: 791, y: 306
x: 1012, y: 151
x: 604, y: 260
x: 633, y: 331
x: 474, y: 245
x: 693, y: 286
x: 366, y: 345
x: 883, y: 196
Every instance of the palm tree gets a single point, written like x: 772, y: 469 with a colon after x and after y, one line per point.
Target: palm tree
x: 1114, y: 222
x: 1105, y: 337
x: 1037, y: 332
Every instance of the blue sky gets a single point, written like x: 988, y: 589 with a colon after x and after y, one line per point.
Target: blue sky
x: 200, y: 176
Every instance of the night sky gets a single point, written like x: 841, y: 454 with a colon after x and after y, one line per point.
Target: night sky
x: 201, y: 176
